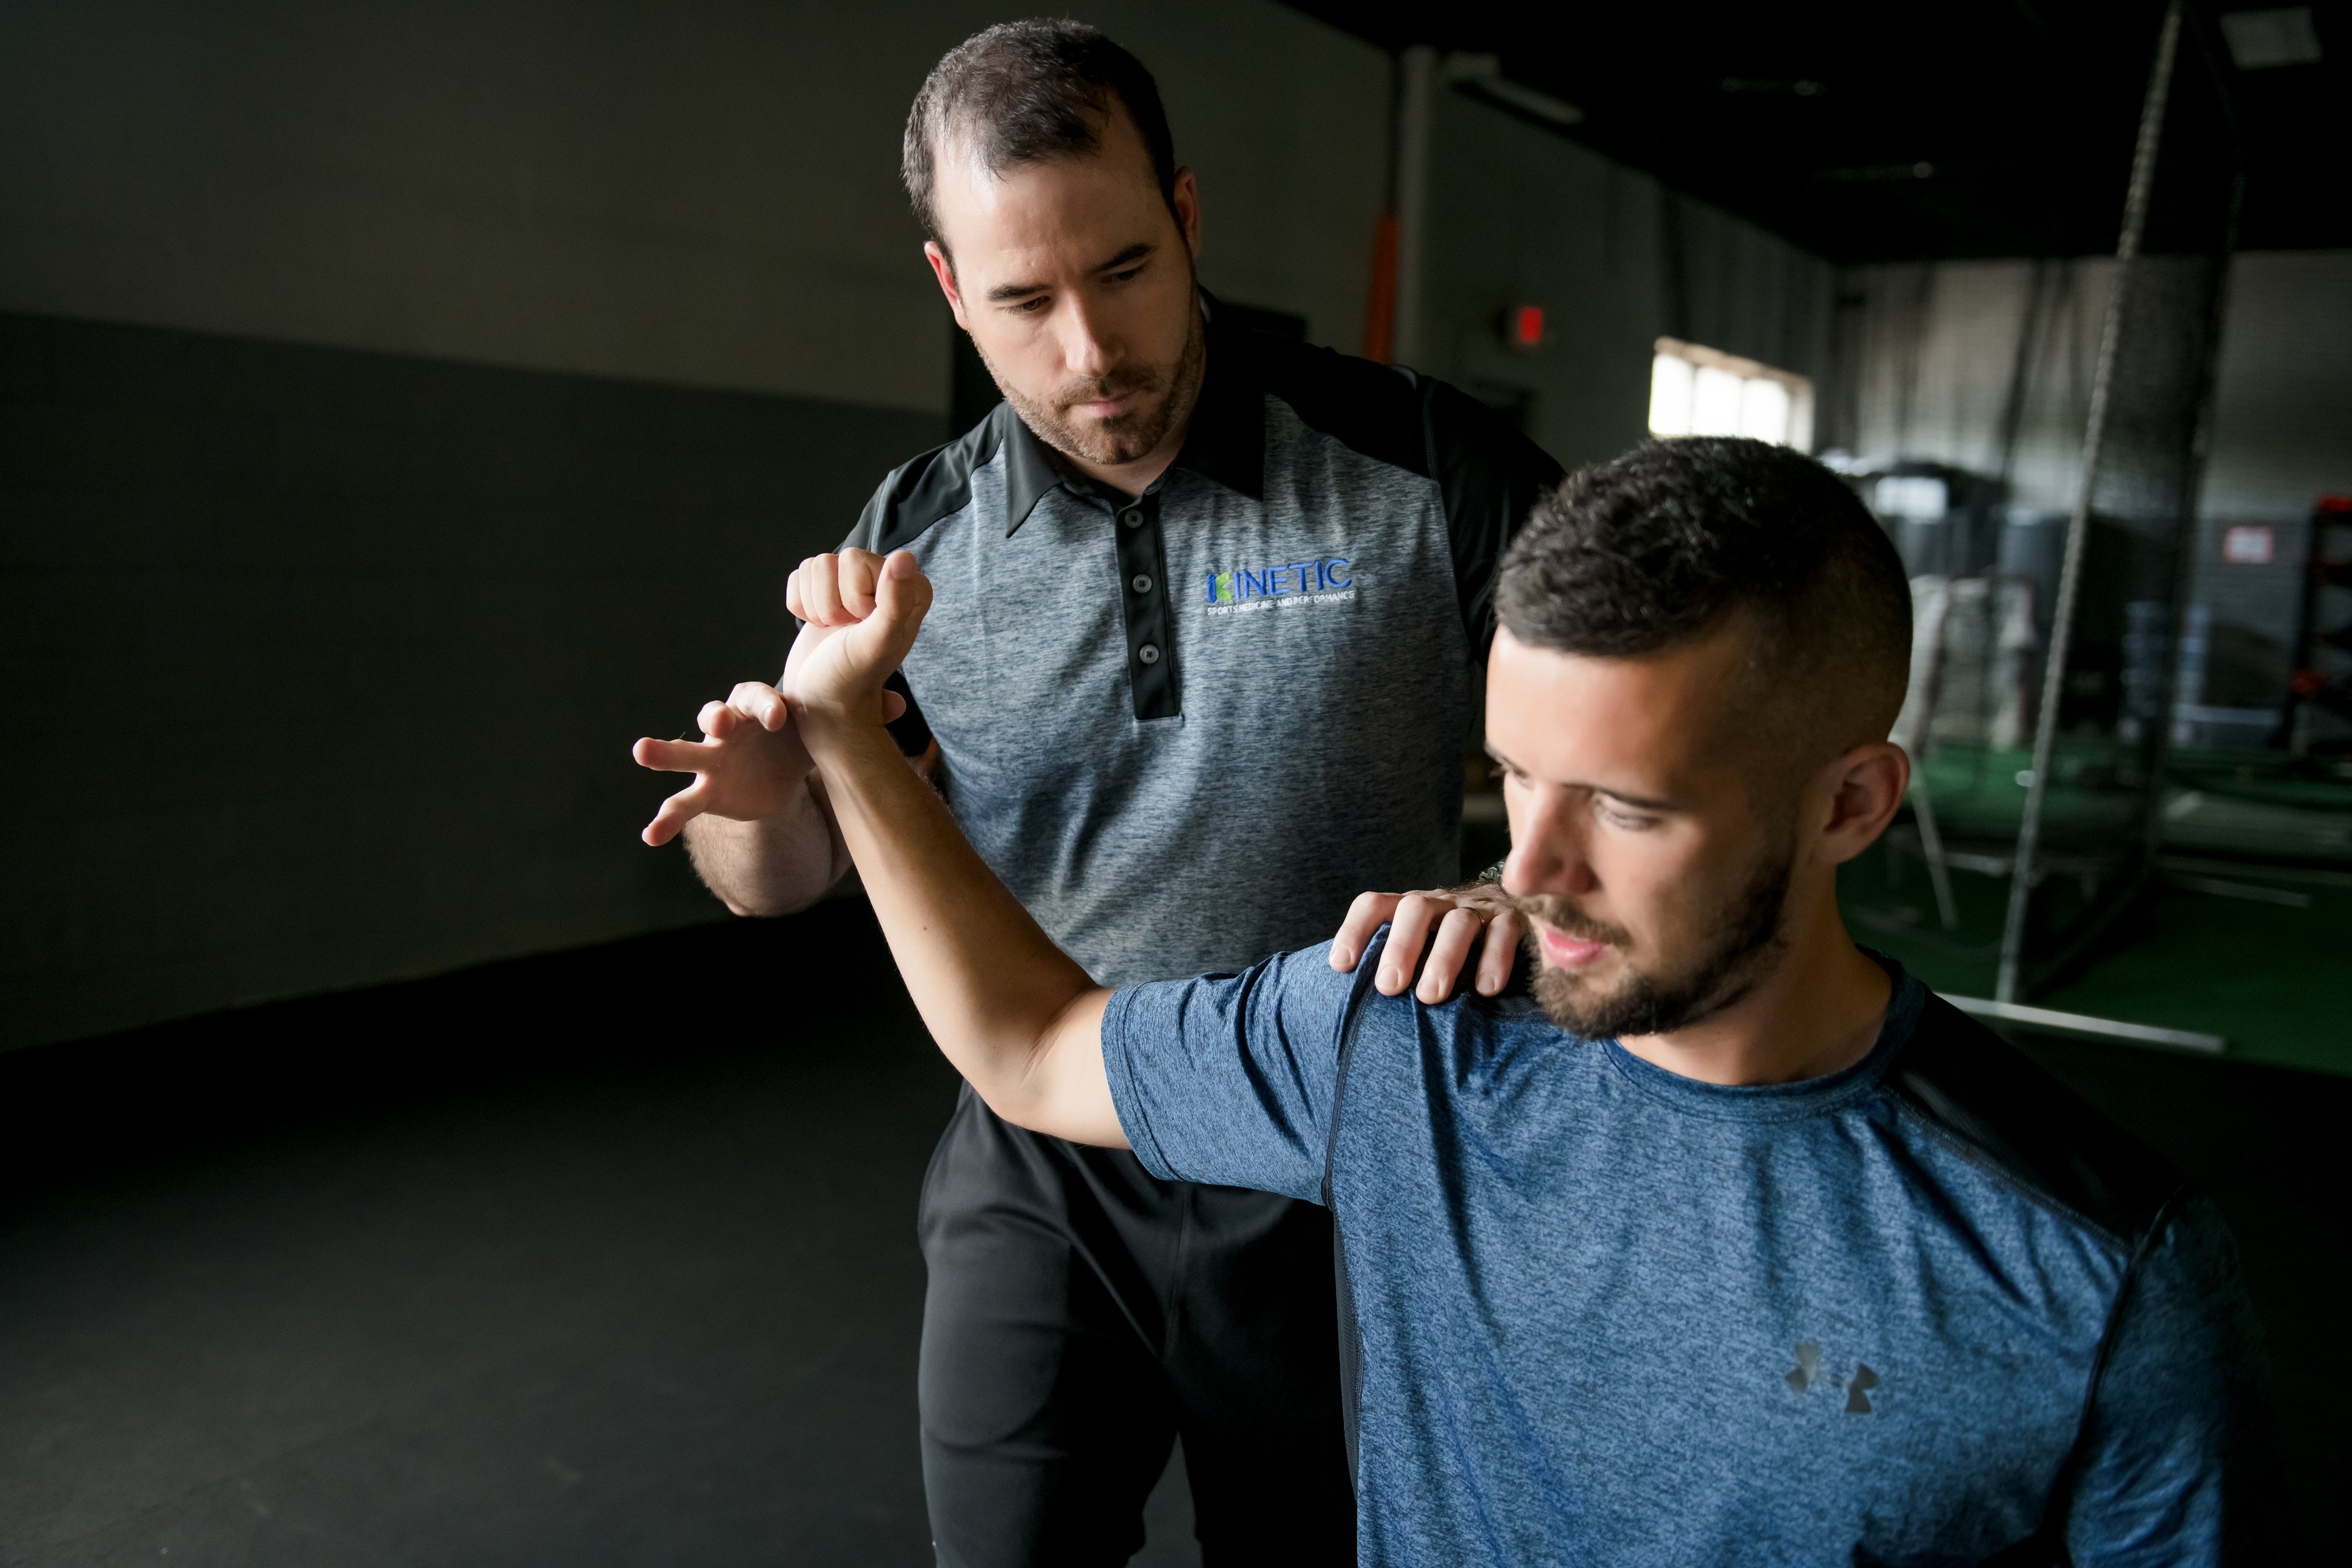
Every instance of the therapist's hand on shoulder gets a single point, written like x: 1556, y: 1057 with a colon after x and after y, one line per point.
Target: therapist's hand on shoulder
x: 1449, y: 923
x: 861, y: 613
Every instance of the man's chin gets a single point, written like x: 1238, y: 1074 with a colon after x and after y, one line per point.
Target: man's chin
x: 1580, y: 1000
x: 1112, y: 443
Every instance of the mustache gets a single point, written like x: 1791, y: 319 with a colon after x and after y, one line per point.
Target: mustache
x: 1104, y: 388
x: 1563, y: 917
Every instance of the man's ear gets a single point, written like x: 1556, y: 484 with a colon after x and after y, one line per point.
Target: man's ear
x: 943, y: 268
x: 1186, y: 199
x: 1860, y: 793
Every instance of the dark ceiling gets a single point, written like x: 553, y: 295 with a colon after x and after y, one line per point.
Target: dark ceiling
x: 1896, y: 132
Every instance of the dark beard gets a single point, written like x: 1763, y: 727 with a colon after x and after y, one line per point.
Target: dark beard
x: 1134, y: 435
x: 1746, y: 947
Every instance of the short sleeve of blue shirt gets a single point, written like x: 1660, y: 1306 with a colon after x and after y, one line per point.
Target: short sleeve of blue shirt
x: 2177, y: 1461
x: 1228, y: 1079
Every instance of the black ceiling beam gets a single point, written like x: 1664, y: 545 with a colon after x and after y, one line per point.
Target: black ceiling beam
x: 1876, y: 133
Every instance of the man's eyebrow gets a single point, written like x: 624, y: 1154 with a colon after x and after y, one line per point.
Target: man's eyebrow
x: 1135, y: 252
x: 1006, y: 293
x: 1643, y: 802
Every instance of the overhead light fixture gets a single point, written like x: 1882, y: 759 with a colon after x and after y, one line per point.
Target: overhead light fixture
x: 1481, y: 76
x: 2260, y: 39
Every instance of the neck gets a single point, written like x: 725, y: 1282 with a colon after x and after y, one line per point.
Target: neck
x: 1819, y: 1012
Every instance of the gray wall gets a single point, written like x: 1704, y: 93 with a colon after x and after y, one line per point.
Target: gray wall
x: 703, y: 195
x: 1519, y: 216
x: 1936, y: 347
x: 322, y: 665
x: 2283, y: 413
x: 403, y: 407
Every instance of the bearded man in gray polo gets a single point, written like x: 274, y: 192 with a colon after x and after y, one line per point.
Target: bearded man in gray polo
x: 1196, y: 675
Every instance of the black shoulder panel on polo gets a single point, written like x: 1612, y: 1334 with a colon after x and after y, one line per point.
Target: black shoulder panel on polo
x: 920, y: 492
x: 1367, y: 408
x: 1488, y: 474
x: 1982, y: 1092
x: 1491, y: 477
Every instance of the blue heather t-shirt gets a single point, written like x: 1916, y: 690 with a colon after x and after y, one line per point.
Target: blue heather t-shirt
x: 1920, y: 1311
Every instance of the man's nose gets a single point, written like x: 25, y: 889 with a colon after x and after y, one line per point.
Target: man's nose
x: 1547, y: 850
x: 1085, y: 350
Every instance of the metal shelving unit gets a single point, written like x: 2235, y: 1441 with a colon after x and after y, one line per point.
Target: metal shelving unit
x: 2326, y: 565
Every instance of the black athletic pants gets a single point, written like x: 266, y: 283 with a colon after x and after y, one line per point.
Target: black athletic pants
x: 1081, y: 1316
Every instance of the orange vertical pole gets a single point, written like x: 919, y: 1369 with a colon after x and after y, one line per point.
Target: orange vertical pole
x: 1379, y: 301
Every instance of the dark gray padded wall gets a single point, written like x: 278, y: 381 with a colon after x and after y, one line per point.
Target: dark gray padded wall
x: 320, y: 667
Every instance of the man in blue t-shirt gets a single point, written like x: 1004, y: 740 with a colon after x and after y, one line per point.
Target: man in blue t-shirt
x: 1730, y: 1242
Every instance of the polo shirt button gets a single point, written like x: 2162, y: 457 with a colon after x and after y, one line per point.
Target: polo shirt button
x: 1132, y: 517
x: 1148, y: 653
x: 1140, y: 583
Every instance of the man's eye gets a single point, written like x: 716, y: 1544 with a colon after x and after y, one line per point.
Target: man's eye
x: 1123, y: 276
x: 1617, y: 818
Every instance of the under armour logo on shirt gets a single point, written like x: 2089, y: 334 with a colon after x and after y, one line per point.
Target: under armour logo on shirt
x: 1809, y: 1372
x: 1857, y: 1403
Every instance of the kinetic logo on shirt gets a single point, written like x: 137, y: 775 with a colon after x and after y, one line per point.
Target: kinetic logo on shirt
x: 1328, y: 580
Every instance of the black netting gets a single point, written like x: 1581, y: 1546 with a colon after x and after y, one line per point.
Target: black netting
x: 2103, y: 717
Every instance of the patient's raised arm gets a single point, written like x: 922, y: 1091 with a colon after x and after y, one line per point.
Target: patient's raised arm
x: 1016, y: 1016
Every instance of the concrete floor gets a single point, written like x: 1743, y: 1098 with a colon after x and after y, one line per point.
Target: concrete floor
x: 608, y: 1257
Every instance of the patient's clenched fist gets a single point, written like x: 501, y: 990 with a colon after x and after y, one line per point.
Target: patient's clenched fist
x: 862, y: 613
x: 834, y: 590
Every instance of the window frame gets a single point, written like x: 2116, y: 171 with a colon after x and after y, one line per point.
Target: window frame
x: 1798, y: 432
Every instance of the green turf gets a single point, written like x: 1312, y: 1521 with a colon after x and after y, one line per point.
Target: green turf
x: 2274, y: 981
x: 2259, y: 804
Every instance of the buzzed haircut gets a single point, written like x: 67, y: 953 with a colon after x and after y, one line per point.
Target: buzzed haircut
x: 1660, y: 546
x: 1027, y: 92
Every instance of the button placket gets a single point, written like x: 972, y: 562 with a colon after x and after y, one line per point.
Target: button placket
x: 1150, y: 619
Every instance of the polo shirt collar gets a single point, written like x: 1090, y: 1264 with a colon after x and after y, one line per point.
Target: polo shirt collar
x: 1030, y: 469
x: 1226, y: 439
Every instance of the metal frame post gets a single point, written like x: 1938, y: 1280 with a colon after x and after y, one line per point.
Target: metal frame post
x: 2078, y: 525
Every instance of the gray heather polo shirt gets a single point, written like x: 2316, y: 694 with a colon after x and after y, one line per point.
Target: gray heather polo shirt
x: 1187, y: 728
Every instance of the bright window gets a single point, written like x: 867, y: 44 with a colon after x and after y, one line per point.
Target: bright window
x: 1696, y: 391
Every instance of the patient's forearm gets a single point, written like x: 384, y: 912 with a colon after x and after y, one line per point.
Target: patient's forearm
x: 1018, y: 1018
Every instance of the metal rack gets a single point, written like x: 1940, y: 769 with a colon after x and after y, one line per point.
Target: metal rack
x: 2310, y: 686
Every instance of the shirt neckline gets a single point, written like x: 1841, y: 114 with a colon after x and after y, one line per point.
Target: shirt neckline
x: 1786, y: 1102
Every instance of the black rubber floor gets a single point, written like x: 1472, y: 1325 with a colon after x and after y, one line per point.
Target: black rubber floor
x: 608, y: 1257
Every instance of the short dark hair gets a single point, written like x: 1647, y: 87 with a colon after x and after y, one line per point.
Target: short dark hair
x: 1653, y: 549
x: 1024, y: 92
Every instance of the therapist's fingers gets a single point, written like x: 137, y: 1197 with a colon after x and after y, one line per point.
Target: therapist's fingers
x: 1408, y: 935
x: 1456, y: 933
x: 676, y: 812
x: 1505, y: 933
x: 1367, y: 914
